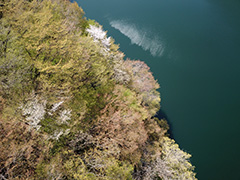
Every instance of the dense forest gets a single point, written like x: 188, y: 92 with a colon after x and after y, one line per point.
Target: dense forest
x: 71, y: 106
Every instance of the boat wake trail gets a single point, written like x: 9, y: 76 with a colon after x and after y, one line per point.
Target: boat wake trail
x: 141, y: 37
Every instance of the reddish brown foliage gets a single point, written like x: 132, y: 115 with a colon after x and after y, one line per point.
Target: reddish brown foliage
x: 121, y: 125
x: 20, y: 150
x: 143, y: 80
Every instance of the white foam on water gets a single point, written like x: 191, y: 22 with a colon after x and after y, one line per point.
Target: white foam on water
x: 139, y: 36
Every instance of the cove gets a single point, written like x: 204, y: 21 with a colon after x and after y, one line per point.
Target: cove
x: 192, y: 48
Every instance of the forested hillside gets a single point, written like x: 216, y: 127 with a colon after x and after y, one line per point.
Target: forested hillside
x: 71, y: 107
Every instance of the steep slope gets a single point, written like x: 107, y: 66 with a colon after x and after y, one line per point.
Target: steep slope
x: 71, y: 107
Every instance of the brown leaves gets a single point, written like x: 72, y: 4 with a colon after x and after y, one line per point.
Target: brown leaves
x: 20, y: 150
x: 82, y: 142
x: 143, y: 80
x: 145, y: 85
x: 120, y: 124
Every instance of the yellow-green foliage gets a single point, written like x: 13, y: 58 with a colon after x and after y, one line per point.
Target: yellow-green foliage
x: 97, y: 165
x: 71, y: 107
x: 17, y: 74
x: 177, y: 159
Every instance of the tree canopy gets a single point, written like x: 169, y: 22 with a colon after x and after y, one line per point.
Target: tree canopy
x: 71, y: 107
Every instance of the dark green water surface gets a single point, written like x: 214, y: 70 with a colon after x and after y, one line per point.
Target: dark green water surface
x: 193, y: 49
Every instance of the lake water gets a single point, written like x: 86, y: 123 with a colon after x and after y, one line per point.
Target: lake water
x: 193, y: 49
